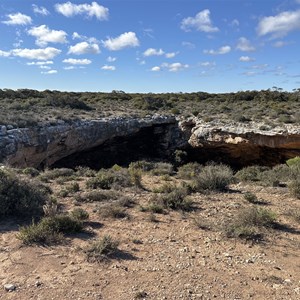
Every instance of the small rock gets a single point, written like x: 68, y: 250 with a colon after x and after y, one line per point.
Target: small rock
x: 9, y: 287
x: 38, y: 283
x: 3, y: 130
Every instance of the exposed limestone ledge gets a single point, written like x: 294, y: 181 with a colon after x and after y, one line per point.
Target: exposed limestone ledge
x: 43, y: 145
x: 247, y: 143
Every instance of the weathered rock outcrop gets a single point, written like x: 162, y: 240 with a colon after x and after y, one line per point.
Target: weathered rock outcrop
x: 241, y: 144
x: 103, y: 142
x: 47, y: 144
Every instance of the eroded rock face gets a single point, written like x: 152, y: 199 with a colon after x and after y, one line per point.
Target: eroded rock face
x: 45, y: 145
x: 103, y: 142
x: 242, y: 144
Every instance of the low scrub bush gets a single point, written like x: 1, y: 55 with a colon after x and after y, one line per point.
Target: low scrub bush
x: 49, y: 230
x: 19, y: 197
x: 56, y: 173
x: 97, y: 196
x: 143, y: 165
x: 189, y: 171
x: 176, y: 200
x: 110, y: 178
x: 113, y: 211
x: 213, y: 178
x: 102, y: 249
x: 31, y: 171
x: 294, y: 188
x: 250, y: 197
x: 79, y: 214
x: 252, y: 173
x: 249, y: 222
x: 162, y: 168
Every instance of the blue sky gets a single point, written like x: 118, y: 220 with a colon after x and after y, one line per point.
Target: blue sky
x: 150, y: 45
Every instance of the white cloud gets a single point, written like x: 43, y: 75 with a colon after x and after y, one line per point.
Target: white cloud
x: 44, y: 35
x: 45, y: 67
x: 40, y: 63
x: 152, y: 52
x: 108, y: 68
x: 40, y: 10
x: 38, y: 54
x: 17, y: 19
x: 279, y: 25
x: 84, y: 48
x: 111, y: 59
x: 171, y: 54
x: 69, y: 9
x: 188, y: 45
x: 125, y: 40
x: 175, y: 67
x: 245, y: 45
x: 246, y: 59
x: 74, y: 61
x: 280, y: 44
x: 235, y: 22
x: 4, y: 53
x: 221, y: 50
x: 201, y: 22
x: 69, y: 68
x: 50, y: 72
x: 155, y: 69
x: 208, y: 64
x: 259, y: 67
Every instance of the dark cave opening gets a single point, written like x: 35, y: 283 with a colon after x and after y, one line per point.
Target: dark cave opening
x: 159, y: 143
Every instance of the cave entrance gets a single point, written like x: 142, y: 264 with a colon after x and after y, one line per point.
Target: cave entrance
x: 150, y: 143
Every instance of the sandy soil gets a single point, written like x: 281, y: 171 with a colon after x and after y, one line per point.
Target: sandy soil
x: 170, y: 258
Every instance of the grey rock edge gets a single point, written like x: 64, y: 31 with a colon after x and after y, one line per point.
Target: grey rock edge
x: 46, y: 144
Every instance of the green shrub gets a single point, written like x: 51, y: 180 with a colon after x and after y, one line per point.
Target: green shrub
x: 250, y: 197
x: 143, y: 165
x: 136, y: 177
x: 31, y: 171
x: 113, y: 211
x: 85, y: 171
x: 252, y: 173
x: 294, y: 188
x: 49, y: 230
x: 97, y: 196
x: 73, y: 187
x: 249, y: 222
x: 162, y: 168
x: 175, y: 200
x: 293, y: 161
x: 102, y: 249
x: 19, y: 197
x: 110, y: 178
x: 213, y: 178
x: 56, y: 173
x: 79, y: 214
x: 189, y: 171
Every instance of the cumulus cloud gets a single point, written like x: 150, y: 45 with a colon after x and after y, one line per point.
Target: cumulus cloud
x: 40, y: 10
x: 279, y: 25
x: 17, y: 19
x: 84, y: 48
x: 280, y: 44
x: 175, y: 67
x: 49, y: 72
x: 246, y: 59
x: 111, y: 59
x: 73, y: 61
x: 4, y: 53
x: 221, y: 50
x: 208, y: 64
x: 36, y: 54
x: 40, y: 63
x: 69, y: 9
x: 125, y: 40
x: 188, y: 45
x: 245, y: 45
x: 44, y: 35
x: 153, y: 52
x: 108, y: 68
x: 155, y: 69
x: 171, y: 54
x: 201, y: 22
